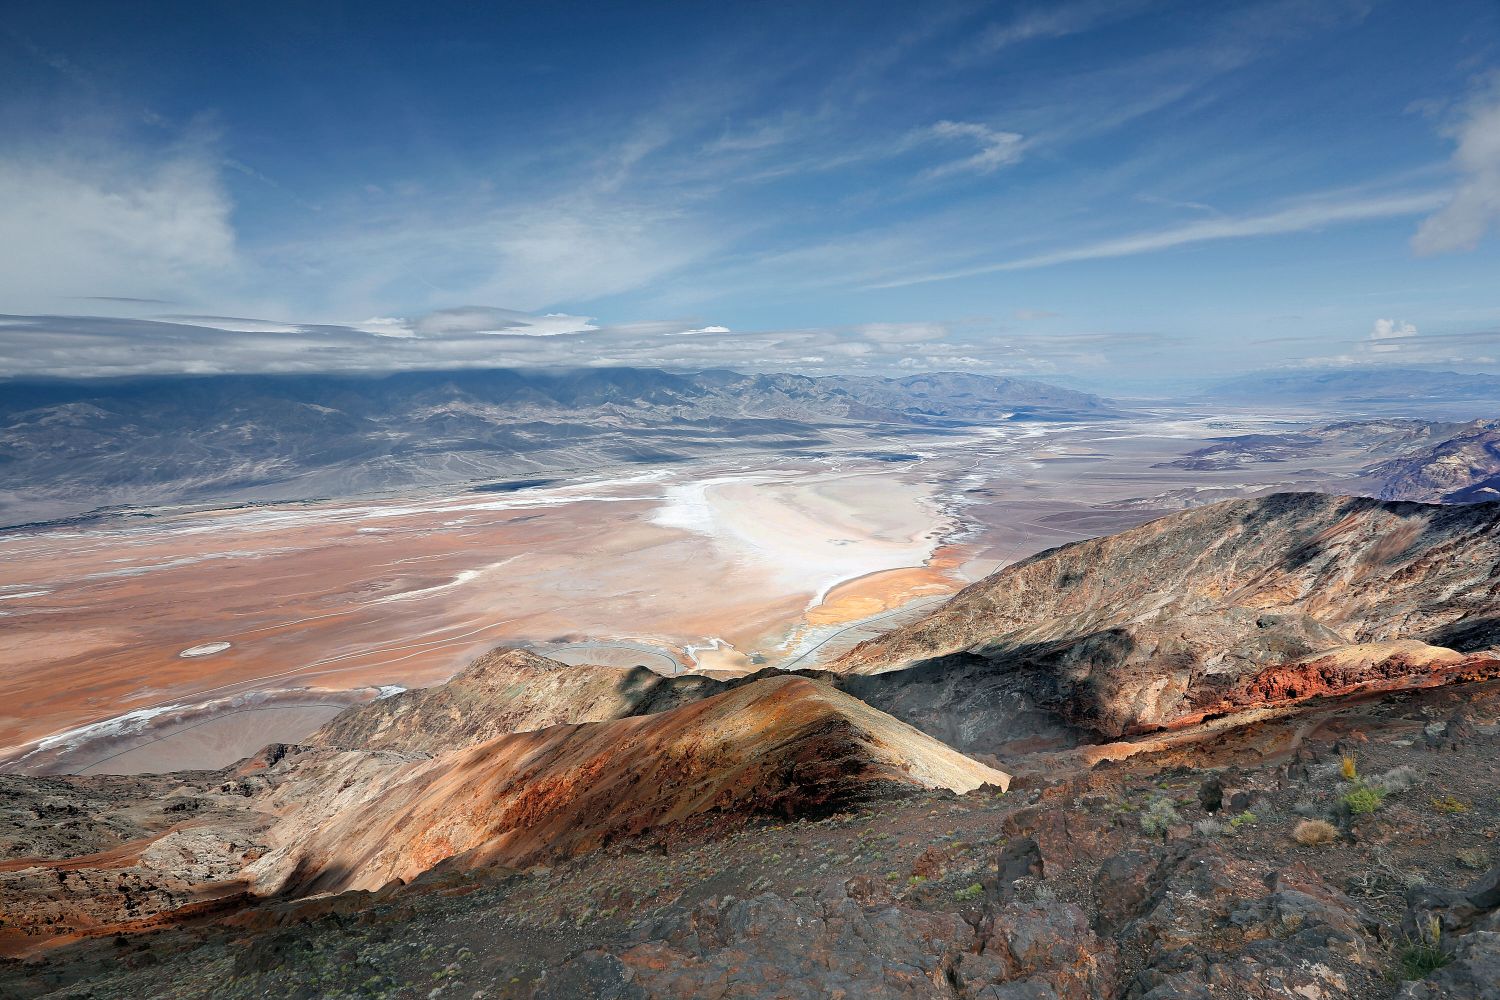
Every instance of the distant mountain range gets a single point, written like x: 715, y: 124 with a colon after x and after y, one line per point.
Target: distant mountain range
x: 1427, y: 460
x: 70, y: 447
x: 1378, y: 439
x: 1361, y: 385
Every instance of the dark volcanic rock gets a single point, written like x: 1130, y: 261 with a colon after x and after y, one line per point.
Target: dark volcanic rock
x: 1465, y: 923
x: 837, y: 945
x: 1213, y: 930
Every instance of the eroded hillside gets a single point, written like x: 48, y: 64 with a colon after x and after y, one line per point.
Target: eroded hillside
x: 1238, y: 605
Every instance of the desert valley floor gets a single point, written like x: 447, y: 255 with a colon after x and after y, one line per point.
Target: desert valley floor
x: 195, y: 636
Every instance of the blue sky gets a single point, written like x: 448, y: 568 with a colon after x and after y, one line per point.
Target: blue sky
x: 1091, y: 190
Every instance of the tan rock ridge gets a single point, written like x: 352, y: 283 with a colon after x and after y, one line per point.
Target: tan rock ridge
x: 1218, y: 609
x: 781, y: 745
x: 507, y: 691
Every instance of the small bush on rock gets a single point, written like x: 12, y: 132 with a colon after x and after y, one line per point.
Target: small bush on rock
x: 1363, y: 800
x: 1160, y: 816
x: 1423, y: 955
x: 1397, y: 779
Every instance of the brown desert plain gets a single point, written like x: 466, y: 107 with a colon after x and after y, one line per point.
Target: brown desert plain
x: 188, y: 638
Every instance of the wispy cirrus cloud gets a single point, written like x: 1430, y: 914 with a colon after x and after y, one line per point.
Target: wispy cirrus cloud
x: 1297, y: 219
x: 112, y: 218
x: 1048, y: 21
x: 1475, y: 207
x: 997, y: 148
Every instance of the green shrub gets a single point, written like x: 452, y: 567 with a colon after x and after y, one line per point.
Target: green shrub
x: 969, y: 893
x: 1243, y: 819
x: 1159, y: 816
x: 1363, y: 800
x: 1423, y: 955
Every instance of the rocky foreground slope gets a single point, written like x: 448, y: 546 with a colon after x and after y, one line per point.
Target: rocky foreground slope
x: 1240, y: 605
x: 1249, y: 766
x: 1230, y: 866
x: 303, y: 820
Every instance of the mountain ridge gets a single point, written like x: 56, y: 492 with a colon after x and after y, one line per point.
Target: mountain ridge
x: 287, y: 437
x: 1182, y: 616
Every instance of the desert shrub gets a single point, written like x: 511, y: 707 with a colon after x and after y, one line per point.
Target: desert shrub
x: 1243, y: 819
x: 1160, y: 816
x: 1210, y: 828
x: 1347, y: 769
x: 1397, y: 779
x: 1363, y: 800
x: 1423, y: 955
x: 1448, y: 804
x: 969, y: 893
x: 1311, y: 832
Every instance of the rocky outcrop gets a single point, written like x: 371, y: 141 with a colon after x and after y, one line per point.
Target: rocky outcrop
x: 853, y: 941
x: 1465, y: 468
x: 507, y: 691
x: 90, y: 855
x: 783, y: 745
x: 1208, y: 928
x: 1463, y: 926
x: 1234, y: 606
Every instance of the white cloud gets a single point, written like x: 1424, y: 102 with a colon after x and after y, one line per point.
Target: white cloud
x: 384, y: 326
x: 902, y: 333
x: 702, y: 330
x: 1051, y: 20
x: 996, y: 148
x: 1461, y: 223
x: 492, y: 321
x: 1388, y: 330
x: 468, y: 337
x: 100, y: 219
x: 1300, y: 218
x: 237, y: 324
